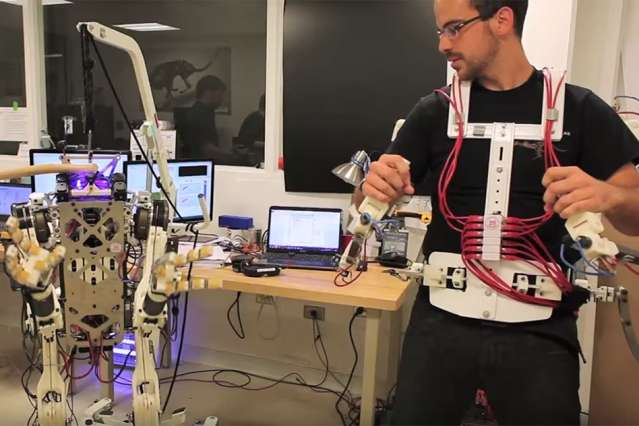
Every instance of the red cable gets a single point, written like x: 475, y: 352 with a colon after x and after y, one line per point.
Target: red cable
x: 631, y: 269
x: 527, y: 247
x: 345, y: 272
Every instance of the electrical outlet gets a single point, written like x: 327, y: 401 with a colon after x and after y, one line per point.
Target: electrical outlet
x: 314, y: 312
x: 263, y: 299
x: 362, y: 315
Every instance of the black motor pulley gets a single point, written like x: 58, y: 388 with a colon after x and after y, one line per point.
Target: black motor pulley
x: 41, y: 226
x: 141, y: 224
x: 160, y: 213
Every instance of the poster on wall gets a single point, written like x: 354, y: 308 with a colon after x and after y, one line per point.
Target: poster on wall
x: 175, y: 73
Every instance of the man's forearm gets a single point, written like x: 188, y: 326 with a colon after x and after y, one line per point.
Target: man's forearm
x: 625, y: 216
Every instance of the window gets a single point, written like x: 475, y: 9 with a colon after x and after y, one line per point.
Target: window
x: 206, y: 62
x: 12, y: 87
x: 372, y: 60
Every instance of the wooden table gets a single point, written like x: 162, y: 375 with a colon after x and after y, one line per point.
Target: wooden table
x: 375, y: 291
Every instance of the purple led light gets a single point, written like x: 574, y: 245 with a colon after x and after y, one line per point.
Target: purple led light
x: 101, y: 179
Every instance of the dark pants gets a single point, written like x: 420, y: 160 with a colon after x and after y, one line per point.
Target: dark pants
x: 529, y: 378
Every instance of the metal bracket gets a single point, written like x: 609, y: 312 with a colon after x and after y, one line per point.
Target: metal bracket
x: 530, y: 132
x: 497, y: 188
x: 444, y: 277
x: 626, y: 322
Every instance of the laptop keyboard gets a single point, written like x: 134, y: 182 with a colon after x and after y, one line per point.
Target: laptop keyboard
x: 309, y: 260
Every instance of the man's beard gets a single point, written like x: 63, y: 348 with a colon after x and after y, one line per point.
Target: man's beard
x: 475, y: 69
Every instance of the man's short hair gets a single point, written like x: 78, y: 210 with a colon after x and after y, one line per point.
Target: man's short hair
x: 487, y: 8
x: 208, y: 83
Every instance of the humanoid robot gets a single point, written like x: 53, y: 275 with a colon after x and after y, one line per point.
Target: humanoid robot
x: 67, y: 252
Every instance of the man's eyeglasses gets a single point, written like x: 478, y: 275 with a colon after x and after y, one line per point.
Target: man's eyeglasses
x: 451, y: 31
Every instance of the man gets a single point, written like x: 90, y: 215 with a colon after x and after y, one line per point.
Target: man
x: 250, y: 139
x: 529, y: 370
x: 196, y: 128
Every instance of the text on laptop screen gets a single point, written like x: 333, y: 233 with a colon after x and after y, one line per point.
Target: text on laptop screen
x: 304, y: 230
x: 46, y: 183
x: 191, y: 178
x: 10, y: 194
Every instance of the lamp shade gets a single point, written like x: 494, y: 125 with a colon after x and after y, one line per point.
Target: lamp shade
x: 355, y: 170
x: 349, y: 173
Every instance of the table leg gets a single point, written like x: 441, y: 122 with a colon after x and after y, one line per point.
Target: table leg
x: 369, y: 372
x: 395, y: 347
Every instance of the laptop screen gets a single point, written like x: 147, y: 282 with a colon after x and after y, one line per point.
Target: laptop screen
x: 304, y: 229
x: 12, y: 193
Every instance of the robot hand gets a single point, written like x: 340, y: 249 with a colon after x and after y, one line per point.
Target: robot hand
x: 585, y: 229
x: 169, y: 279
x: 25, y: 261
x: 369, y: 211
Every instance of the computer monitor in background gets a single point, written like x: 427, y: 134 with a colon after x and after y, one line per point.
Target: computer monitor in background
x: 46, y: 183
x: 11, y: 193
x: 191, y: 178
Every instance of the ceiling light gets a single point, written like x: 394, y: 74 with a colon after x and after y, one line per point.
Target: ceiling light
x: 44, y: 2
x: 147, y: 26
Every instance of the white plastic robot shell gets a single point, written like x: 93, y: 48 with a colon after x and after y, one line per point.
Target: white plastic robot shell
x: 374, y: 208
x: 463, y: 294
x: 588, y: 225
x: 522, y: 131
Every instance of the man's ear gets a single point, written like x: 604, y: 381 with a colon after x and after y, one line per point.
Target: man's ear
x: 503, y: 22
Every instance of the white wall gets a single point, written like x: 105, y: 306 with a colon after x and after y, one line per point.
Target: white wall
x: 597, y: 46
x: 630, y: 51
x: 548, y: 33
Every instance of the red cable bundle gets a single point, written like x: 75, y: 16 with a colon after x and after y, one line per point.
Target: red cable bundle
x: 519, y: 241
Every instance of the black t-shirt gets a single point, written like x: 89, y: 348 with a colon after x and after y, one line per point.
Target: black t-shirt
x: 251, y: 130
x: 595, y: 139
x: 197, y: 131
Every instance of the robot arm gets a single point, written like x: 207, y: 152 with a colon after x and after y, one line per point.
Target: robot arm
x: 585, y: 229
x: 370, y: 211
x: 161, y: 279
x: 31, y: 266
x: 619, y: 295
x: 166, y: 280
x: 149, y: 128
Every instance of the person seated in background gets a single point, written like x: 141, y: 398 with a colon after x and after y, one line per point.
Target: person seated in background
x: 196, y: 128
x: 250, y: 140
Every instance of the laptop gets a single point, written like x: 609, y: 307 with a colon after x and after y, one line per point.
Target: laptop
x: 11, y: 193
x: 304, y: 237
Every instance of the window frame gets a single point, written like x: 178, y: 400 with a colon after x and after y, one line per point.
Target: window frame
x: 35, y: 71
